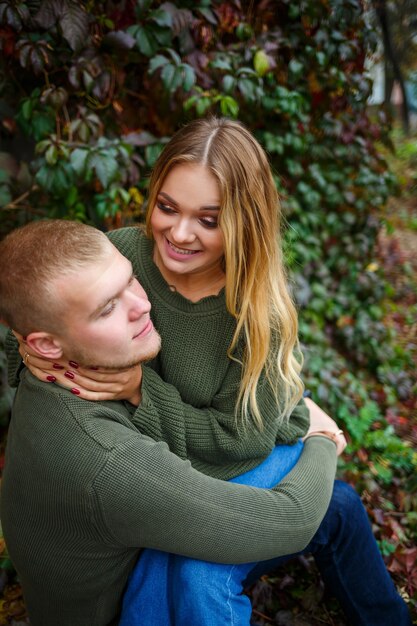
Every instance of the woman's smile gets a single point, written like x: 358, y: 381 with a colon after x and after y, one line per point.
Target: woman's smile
x: 182, y: 251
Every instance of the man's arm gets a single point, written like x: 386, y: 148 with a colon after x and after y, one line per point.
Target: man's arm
x: 148, y: 497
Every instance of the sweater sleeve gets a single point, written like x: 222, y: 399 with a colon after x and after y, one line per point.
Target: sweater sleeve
x: 14, y: 360
x: 211, y: 437
x: 150, y: 498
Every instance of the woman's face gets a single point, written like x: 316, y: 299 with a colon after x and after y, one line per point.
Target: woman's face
x: 184, y: 221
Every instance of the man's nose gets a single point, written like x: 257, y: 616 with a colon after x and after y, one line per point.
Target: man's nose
x: 138, y: 306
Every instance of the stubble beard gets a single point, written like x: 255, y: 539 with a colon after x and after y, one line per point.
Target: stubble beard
x: 85, y: 360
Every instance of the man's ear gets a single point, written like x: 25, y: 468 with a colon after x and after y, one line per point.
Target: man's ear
x: 45, y: 345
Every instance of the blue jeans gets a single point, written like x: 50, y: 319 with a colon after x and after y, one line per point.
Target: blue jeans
x: 176, y: 591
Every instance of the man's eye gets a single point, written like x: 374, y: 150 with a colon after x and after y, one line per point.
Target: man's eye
x: 109, y: 309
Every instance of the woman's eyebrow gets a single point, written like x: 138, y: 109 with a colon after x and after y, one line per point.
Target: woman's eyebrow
x: 207, y: 207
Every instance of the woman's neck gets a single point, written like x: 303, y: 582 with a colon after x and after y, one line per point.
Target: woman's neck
x: 193, y: 286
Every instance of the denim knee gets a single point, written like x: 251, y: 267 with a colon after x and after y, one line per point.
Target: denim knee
x: 346, y: 519
x: 344, y: 499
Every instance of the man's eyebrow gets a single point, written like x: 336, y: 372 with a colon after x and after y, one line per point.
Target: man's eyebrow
x: 207, y: 207
x: 105, y: 302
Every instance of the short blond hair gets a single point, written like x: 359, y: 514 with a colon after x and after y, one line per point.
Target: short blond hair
x: 31, y: 258
x: 257, y: 293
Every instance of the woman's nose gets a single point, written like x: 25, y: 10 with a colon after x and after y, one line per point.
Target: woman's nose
x: 182, y: 232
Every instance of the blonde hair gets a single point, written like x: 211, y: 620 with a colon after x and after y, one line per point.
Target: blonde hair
x: 31, y: 258
x: 256, y: 287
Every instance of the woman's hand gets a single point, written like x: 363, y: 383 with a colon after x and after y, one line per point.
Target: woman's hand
x: 89, y: 383
x: 320, y: 422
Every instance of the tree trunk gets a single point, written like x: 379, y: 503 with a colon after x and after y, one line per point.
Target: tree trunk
x: 391, y: 57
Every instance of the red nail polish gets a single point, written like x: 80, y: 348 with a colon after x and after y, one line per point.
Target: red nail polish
x: 75, y: 391
x: 70, y: 375
x: 51, y: 378
x: 57, y: 366
x: 93, y: 367
x: 73, y: 364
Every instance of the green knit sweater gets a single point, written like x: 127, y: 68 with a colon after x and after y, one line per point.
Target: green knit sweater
x: 197, y: 384
x: 201, y: 383
x: 83, y: 490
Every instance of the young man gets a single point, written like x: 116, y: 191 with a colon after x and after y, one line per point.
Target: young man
x: 83, y: 490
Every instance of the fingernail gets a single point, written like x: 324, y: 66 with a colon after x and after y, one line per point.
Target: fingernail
x: 75, y: 391
x: 70, y: 375
x: 73, y: 364
x: 51, y: 378
x: 24, y: 338
x: 57, y: 366
x: 93, y: 368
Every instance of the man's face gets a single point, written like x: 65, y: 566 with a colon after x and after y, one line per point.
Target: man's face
x: 106, y: 318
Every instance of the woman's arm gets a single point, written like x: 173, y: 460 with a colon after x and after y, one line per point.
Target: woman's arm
x: 213, y: 438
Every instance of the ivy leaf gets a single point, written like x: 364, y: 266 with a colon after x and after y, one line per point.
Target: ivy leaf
x: 247, y: 89
x: 175, y: 56
x: 208, y: 15
x: 14, y: 16
x: 162, y: 36
x: 119, y: 39
x: 105, y: 166
x: 202, y: 106
x: 48, y: 13
x: 167, y: 76
x: 162, y: 18
x: 5, y: 195
x: 229, y: 106
x: 78, y: 160
x: 74, y: 24
x: 139, y: 139
x: 51, y: 155
x: 189, y: 77
x: 261, y: 62
x: 158, y: 61
x: 152, y: 153
x: 143, y: 5
x: 295, y: 67
x: 145, y: 39
x: 228, y: 83
x: 221, y: 64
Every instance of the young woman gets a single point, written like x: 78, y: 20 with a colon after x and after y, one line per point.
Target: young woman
x: 211, y: 263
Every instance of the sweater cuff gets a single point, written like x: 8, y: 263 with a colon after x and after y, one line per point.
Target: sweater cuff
x: 14, y: 360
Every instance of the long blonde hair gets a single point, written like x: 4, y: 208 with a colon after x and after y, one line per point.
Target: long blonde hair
x: 256, y: 287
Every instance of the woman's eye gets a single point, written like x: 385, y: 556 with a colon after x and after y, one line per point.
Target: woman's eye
x: 164, y: 207
x: 209, y: 222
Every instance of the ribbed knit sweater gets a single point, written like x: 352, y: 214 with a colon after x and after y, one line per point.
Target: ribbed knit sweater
x: 191, y: 404
x: 198, y: 383
x: 83, y: 490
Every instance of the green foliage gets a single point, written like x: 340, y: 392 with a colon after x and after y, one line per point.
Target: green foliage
x: 98, y: 89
